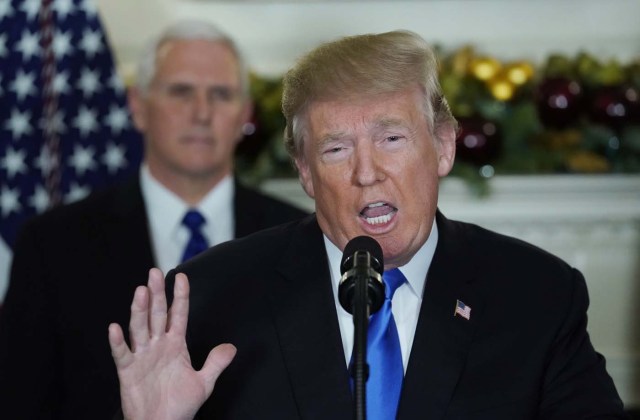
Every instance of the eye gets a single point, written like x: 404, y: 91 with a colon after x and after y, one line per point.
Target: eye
x: 222, y: 94
x: 334, y: 152
x: 180, y: 91
x: 393, y: 138
x: 335, y: 149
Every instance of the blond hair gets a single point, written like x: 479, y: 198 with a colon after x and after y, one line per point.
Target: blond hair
x: 358, y: 66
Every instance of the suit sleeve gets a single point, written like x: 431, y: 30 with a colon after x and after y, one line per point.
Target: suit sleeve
x: 576, y: 384
x: 28, y: 360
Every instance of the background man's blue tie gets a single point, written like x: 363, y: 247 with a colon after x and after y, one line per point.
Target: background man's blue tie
x: 384, y: 356
x: 193, y: 220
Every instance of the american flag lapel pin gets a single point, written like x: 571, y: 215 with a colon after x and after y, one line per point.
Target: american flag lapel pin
x: 462, y: 310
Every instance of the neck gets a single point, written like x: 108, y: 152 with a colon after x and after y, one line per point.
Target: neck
x: 190, y: 188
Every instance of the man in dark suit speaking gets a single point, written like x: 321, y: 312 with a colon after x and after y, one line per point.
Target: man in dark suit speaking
x: 190, y: 101
x: 481, y: 326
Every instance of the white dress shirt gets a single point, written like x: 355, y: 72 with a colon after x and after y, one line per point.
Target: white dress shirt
x: 406, y: 300
x: 165, y: 211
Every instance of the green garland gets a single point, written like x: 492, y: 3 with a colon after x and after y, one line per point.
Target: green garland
x: 597, y: 132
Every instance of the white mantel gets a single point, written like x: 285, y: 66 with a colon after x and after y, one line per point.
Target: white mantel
x: 593, y: 222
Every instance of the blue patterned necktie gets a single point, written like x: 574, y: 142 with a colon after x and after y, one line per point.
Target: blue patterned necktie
x: 193, y: 220
x: 384, y: 356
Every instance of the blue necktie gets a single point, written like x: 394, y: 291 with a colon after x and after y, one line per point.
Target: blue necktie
x: 384, y: 356
x: 193, y: 220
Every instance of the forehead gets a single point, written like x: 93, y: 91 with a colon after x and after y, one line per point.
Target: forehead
x: 196, y: 59
x: 343, y: 116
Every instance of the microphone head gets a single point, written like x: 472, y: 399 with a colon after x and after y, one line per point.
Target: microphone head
x: 361, y: 261
x: 362, y: 243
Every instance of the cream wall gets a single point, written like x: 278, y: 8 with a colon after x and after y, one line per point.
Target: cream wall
x: 273, y: 33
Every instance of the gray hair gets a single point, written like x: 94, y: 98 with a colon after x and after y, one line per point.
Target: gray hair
x: 363, y: 65
x: 181, y: 31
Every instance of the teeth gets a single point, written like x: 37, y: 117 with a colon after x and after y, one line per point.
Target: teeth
x: 378, y: 220
x: 381, y: 203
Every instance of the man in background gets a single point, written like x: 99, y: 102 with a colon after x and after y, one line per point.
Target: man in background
x: 191, y: 102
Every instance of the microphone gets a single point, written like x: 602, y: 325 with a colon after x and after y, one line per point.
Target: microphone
x: 362, y: 260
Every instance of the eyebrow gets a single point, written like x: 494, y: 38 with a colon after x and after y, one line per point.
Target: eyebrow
x: 388, y: 122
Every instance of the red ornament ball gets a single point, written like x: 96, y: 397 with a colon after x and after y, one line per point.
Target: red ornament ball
x: 479, y: 141
x: 559, y: 102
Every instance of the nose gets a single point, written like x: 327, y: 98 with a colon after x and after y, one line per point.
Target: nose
x: 202, y: 108
x: 367, y: 169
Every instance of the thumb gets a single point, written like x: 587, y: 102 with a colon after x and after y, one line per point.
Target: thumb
x: 217, y: 361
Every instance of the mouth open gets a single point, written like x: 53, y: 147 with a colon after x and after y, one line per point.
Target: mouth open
x: 378, y: 213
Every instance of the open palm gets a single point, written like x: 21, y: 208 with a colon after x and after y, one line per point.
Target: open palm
x: 157, y: 380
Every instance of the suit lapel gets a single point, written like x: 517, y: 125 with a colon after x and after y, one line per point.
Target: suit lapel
x: 306, y: 322
x: 442, y: 340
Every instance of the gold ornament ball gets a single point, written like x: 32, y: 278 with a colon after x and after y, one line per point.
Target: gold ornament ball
x: 501, y: 88
x: 519, y: 73
x: 484, y: 68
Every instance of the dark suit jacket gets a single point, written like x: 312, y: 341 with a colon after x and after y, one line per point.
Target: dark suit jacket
x: 74, y: 271
x: 523, y: 354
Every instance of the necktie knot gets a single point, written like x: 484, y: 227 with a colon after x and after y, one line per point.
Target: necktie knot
x: 197, y: 243
x: 193, y: 220
x: 392, y: 279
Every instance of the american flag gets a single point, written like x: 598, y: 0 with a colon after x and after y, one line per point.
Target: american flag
x: 64, y: 124
x: 462, y: 310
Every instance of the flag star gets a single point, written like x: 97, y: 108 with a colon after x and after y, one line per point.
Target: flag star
x: 61, y: 83
x: 40, y: 199
x: 114, y: 158
x: 18, y: 123
x: 82, y: 159
x: 117, y: 119
x: 6, y: 9
x: 46, y: 161
x: 76, y: 192
x: 3, y: 45
x: 62, y: 44
x: 9, y: 201
x: 29, y: 45
x: 91, y: 42
x: 31, y: 8
x: 63, y: 8
x: 13, y: 162
x: 85, y: 121
x: 115, y: 82
x: 89, y: 82
x: 89, y: 7
x: 23, y: 85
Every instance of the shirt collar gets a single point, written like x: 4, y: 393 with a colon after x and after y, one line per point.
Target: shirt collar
x: 165, y: 209
x: 415, y: 270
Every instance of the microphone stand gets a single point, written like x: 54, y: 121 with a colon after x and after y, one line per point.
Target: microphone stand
x: 360, y: 368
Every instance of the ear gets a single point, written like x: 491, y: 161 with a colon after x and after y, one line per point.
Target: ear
x: 304, y: 174
x: 446, y: 139
x: 137, y: 107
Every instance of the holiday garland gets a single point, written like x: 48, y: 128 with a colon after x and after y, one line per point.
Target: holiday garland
x: 569, y: 115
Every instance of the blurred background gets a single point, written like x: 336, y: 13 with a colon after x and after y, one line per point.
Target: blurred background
x: 548, y: 96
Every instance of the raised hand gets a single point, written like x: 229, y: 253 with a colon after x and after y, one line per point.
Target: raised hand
x: 157, y: 380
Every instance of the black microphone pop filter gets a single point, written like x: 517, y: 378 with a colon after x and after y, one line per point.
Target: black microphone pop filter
x: 362, y: 243
x: 362, y: 257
